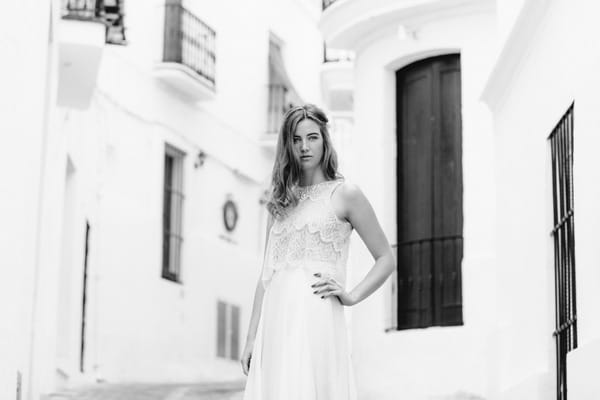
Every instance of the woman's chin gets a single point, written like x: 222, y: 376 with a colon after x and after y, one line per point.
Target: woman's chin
x: 305, y: 166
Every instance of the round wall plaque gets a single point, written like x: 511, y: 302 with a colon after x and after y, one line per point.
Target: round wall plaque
x: 230, y: 215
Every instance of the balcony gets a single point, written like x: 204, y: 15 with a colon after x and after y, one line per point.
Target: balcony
x: 188, y: 61
x: 85, y: 27
x: 347, y: 24
x: 337, y: 79
x: 107, y: 12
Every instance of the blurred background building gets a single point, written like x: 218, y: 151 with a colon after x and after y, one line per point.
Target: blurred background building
x: 139, y: 140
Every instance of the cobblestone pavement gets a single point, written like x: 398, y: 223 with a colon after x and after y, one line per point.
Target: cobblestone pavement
x: 203, y: 391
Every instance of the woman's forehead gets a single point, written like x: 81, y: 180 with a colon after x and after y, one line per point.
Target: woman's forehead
x: 307, y: 126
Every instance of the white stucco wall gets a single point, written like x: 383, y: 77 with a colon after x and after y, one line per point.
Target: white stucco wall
x: 557, y: 68
x: 28, y: 172
x: 436, y: 361
x: 63, y: 167
x: 141, y: 327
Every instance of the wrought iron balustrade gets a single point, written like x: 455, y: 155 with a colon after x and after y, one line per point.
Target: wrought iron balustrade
x: 189, y: 41
x: 83, y: 9
x: 336, y: 55
x: 108, y: 12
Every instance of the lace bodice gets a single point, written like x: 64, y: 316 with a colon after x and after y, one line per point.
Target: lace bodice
x: 310, y: 236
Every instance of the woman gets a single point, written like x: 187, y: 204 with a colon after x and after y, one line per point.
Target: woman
x: 297, y: 346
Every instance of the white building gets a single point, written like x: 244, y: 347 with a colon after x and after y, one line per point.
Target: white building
x: 465, y: 195
x: 144, y: 143
x: 391, y: 36
x: 125, y: 168
x: 27, y: 189
x: 543, y: 94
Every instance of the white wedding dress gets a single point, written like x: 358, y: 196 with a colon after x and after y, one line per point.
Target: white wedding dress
x: 301, y: 348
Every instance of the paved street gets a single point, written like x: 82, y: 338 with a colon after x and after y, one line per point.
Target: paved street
x: 203, y: 391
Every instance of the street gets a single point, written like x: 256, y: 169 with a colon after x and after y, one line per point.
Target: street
x: 188, y: 391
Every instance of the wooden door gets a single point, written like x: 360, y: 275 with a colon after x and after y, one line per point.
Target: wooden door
x: 429, y: 173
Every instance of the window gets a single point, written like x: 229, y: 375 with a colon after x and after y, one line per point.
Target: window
x: 563, y: 234
x: 172, y: 213
x: 228, y: 330
x: 429, y: 171
x: 110, y: 12
x: 115, y: 27
x: 282, y: 95
x: 189, y: 41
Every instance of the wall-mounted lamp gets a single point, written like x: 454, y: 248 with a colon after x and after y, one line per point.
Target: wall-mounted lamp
x: 264, y: 199
x: 406, y: 33
x: 200, y: 158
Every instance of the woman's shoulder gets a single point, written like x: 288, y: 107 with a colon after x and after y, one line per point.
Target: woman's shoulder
x: 349, y: 191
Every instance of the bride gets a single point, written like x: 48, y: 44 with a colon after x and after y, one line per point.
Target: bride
x: 297, y: 343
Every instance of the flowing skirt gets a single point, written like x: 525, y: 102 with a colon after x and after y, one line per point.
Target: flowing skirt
x: 301, y: 348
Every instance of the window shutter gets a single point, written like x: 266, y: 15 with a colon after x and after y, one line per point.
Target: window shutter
x: 235, y: 332
x: 414, y: 199
x: 409, y: 299
x: 447, y: 189
x: 221, y: 328
x: 451, y: 283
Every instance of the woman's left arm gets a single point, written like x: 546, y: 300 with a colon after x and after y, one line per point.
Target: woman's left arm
x: 360, y: 214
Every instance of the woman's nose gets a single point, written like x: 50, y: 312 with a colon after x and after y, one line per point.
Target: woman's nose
x: 304, y: 146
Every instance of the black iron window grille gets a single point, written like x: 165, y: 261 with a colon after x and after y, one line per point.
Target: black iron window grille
x: 189, y: 41
x: 563, y: 233
x: 327, y: 3
x: 109, y: 12
x: 172, y: 214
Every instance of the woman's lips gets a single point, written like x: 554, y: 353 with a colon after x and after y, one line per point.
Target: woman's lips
x: 304, y: 158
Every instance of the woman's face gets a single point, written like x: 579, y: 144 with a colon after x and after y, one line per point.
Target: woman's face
x: 308, y: 144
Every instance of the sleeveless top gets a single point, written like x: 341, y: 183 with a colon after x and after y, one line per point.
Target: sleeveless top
x: 310, y: 236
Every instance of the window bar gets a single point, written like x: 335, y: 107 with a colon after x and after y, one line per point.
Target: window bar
x: 189, y: 41
x: 556, y: 271
x: 572, y: 232
x: 563, y: 233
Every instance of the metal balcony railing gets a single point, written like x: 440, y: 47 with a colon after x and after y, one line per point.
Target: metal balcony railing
x: 109, y: 12
x: 189, y: 41
x: 327, y: 3
x: 335, y: 55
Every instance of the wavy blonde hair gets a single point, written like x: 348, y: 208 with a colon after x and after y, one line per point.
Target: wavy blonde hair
x: 287, y: 170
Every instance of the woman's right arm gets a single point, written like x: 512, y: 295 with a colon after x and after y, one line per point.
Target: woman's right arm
x: 256, y: 309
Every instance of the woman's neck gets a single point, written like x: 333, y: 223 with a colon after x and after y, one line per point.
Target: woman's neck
x: 312, y: 178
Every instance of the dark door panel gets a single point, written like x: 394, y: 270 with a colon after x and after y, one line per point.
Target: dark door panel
x: 429, y: 173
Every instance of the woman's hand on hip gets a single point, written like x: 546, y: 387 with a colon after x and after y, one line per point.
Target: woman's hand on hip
x: 327, y: 286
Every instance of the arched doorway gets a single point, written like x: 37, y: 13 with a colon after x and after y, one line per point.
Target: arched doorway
x: 429, y: 193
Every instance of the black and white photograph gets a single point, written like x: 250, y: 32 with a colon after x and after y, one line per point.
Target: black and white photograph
x: 300, y: 200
